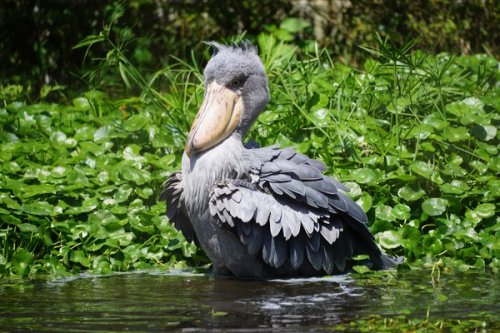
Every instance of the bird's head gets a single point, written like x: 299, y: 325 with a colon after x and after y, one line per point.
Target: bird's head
x: 236, y: 91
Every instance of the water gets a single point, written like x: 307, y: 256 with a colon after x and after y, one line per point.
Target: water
x: 153, y: 301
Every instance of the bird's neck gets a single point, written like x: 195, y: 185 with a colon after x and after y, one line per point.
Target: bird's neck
x: 228, y: 160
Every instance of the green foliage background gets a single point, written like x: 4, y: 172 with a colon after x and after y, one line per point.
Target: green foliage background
x: 37, y: 36
x: 414, y: 135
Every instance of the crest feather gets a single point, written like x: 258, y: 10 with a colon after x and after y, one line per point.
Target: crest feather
x: 243, y: 46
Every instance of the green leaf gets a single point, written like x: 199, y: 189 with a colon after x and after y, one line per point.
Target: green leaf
x: 422, y: 169
x: 401, y: 212
x: 122, y: 193
x: 484, y: 133
x: 145, y: 192
x: 88, y: 205
x: 102, y: 218
x: 480, y: 167
x: 85, y: 133
x: 9, y: 202
x: 384, y: 213
x: 363, y: 175
x: 320, y: 117
x: 101, y: 134
x: 80, y: 257
x: 140, y: 177
x: 434, y: 206
x: 436, y: 121
x: 21, y: 261
x: 81, y: 103
x: 456, y: 134
x: 27, y: 227
x: 454, y: 187
x: 485, y: 210
x: 219, y: 313
x: 465, y: 108
x: 101, y: 265
x: 123, y: 72
x: 365, y: 201
x: 136, y: 122
x: 89, y: 41
x: 361, y: 269
x: 410, y: 193
x: 389, y: 239
x: 41, y: 208
x: 132, y: 153
x: 294, y: 25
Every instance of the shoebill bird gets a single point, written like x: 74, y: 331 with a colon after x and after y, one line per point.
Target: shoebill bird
x: 259, y: 212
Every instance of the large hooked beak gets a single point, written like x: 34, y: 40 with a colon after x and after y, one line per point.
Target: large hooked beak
x: 219, y: 115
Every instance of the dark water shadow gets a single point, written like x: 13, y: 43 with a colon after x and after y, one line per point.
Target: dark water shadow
x: 180, y: 301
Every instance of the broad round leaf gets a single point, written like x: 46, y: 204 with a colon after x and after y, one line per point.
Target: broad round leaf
x: 434, y: 206
x: 456, y: 134
x: 422, y: 168
x: 384, y: 213
x: 401, y: 212
x: 389, y: 239
x: 363, y: 175
x: 409, y: 193
x: 39, y: 208
x: 485, y: 133
x: 485, y: 210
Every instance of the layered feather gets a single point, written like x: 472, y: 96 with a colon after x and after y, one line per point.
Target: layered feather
x: 294, y: 216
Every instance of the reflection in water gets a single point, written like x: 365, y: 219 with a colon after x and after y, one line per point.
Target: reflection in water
x: 185, y: 302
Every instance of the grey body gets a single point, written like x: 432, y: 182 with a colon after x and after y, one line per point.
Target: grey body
x: 260, y: 212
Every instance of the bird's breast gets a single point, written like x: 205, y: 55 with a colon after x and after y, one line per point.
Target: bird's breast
x: 200, y: 172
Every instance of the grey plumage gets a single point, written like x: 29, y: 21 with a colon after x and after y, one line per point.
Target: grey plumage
x: 263, y: 212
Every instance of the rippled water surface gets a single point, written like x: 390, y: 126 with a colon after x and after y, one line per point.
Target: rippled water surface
x: 186, y: 302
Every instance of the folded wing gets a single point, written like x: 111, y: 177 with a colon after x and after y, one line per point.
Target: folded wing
x: 176, y: 212
x: 293, y: 216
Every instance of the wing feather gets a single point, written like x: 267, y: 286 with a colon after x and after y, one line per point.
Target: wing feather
x: 172, y: 193
x: 293, y: 217
x: 255, y: 240
x: 297, y: 248
x: 328, y: 264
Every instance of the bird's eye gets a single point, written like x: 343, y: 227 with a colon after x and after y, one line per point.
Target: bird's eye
x: 236, y: 83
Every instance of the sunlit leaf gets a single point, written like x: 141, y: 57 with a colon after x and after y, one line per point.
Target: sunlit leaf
x: 136, y: 122
x: 39, y: 208
x: 401, y: 212
x: 434, y: 206
x: 363, y: 175
x: 454, y: 187
x: 410, y: 194
x: 101, y: 134
x: 81, y: 103
x: 422, y: 168
x: 389, y: 239
x: 456, y: 134
x: 485, y: 210
x: 384, y: 212
x: 360, y: 269
x: 485, y: 133
x: 465, y: 108
x: 365, y: 201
